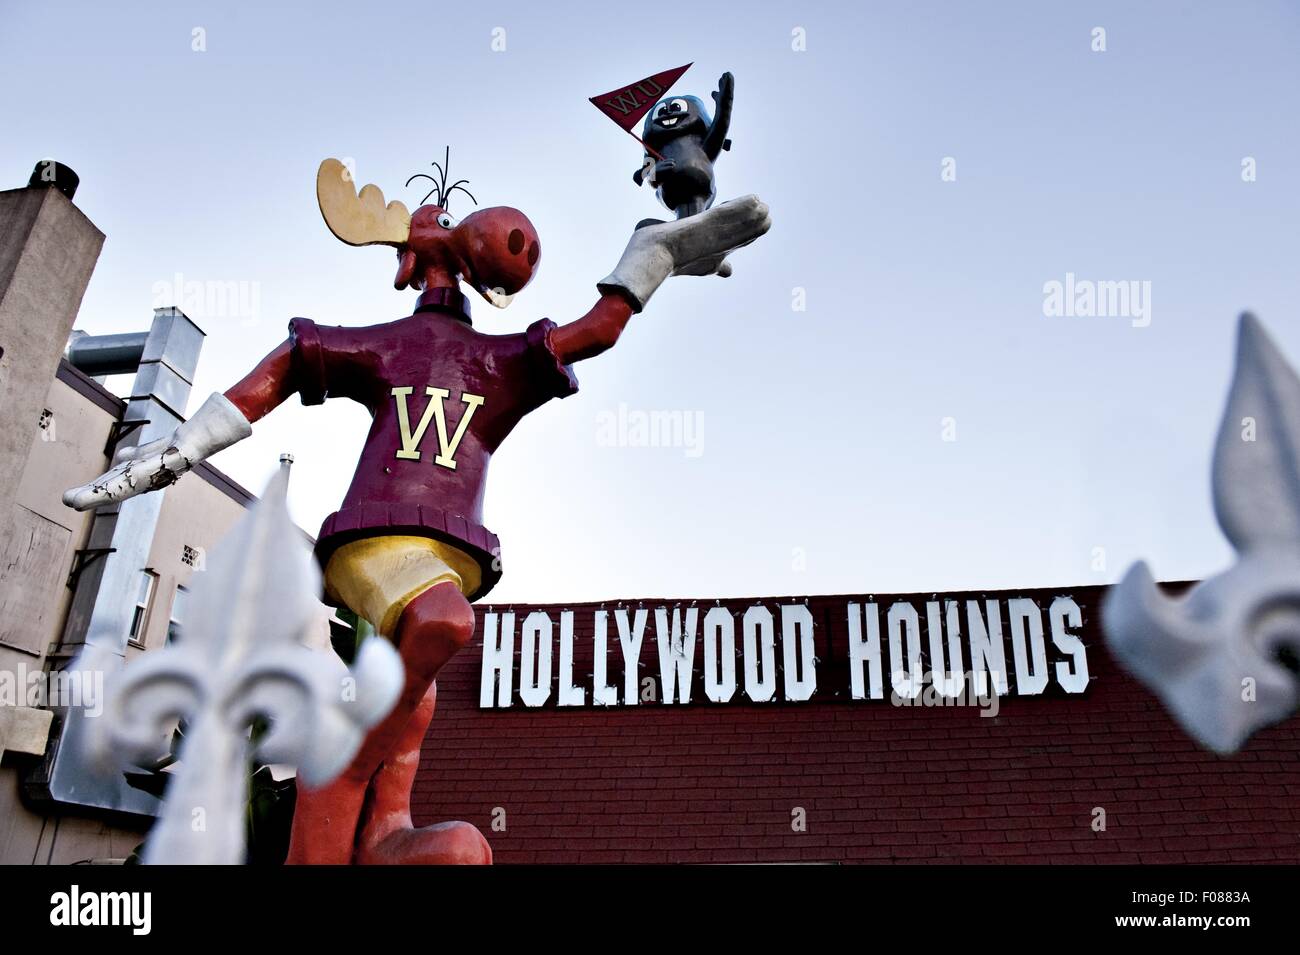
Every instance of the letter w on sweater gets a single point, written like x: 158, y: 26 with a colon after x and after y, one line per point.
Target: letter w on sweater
x: 434, y: 411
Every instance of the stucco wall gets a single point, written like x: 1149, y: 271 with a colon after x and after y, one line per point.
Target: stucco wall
x: 67, y: 452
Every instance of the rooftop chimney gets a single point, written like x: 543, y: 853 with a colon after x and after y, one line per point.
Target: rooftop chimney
x: 48, y: 249
x: 54, y: 175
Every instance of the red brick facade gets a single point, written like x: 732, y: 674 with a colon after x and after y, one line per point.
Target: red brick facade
x: 708, y: 782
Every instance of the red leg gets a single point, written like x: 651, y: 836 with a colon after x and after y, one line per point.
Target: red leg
x: 325, y: 823
x: 387, y: 836
x: 432, y: 628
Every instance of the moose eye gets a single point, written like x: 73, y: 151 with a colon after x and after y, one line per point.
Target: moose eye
x: 678, y: 106
x: 446, y: 221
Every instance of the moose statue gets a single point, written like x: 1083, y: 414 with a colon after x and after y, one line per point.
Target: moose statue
x: 407, y: 550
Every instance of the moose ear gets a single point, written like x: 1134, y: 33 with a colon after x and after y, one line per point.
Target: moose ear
x: 359, y: 219
x: 405, y: 269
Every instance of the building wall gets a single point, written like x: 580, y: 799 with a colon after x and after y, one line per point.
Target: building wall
x: 33, y: 591
x: 876, y: 782
x: 197, y: 515
x: 33, y: 578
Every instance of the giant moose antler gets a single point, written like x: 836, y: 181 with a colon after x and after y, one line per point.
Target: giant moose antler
x: 359, y: 219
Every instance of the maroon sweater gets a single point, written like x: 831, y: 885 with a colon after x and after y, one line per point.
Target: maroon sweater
x: 423, y: 468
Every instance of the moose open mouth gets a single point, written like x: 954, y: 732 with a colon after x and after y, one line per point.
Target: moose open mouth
x: 496, y: 296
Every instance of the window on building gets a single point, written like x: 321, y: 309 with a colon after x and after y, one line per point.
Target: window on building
x: 180, y: 603
x: 189, y: 555
x: 144, y: 597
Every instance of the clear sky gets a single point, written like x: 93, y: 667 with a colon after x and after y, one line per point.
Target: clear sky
x: 820, y: 464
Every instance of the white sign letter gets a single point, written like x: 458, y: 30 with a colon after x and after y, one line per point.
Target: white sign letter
x: 498, y: 660
x: 719, y: 648
x: 535, y: 659
x: 865, y: 651
x: 1073, y: 679
x: 1031, y: 660
x: 568, y: 695
x: 759, y: 637
x: 798, y: 652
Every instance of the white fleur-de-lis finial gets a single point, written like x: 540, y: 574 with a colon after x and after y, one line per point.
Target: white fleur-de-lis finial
x: 242, y: 658
x: 1222, y: 658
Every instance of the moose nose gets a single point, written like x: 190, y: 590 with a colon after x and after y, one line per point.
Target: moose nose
x: 501, y: 248
x: 516, y: 242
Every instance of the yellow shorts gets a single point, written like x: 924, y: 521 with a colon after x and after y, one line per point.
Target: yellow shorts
x: 376, y: 577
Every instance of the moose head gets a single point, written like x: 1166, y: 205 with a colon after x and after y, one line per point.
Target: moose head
x: 495, y: 250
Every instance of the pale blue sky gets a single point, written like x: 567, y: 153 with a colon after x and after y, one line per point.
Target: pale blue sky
x: 822, y: 428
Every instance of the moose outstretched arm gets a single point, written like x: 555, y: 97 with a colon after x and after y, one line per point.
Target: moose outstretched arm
x: 221, y: 421
x: 266, y: 387
x: 595, y: 332
x: 150, y: 467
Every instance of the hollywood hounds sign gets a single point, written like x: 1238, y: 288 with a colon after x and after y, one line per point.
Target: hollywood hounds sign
x: 785, y: 650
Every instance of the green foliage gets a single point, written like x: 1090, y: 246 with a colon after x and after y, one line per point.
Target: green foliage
x: 347, y: 631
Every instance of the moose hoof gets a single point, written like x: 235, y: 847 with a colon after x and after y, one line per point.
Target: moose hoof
x: 447, y: 843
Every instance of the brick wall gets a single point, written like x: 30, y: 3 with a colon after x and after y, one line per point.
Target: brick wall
x: 879, y: 783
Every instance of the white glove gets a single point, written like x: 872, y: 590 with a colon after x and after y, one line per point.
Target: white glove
x: 695, y: 245
x: 150, y: 467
